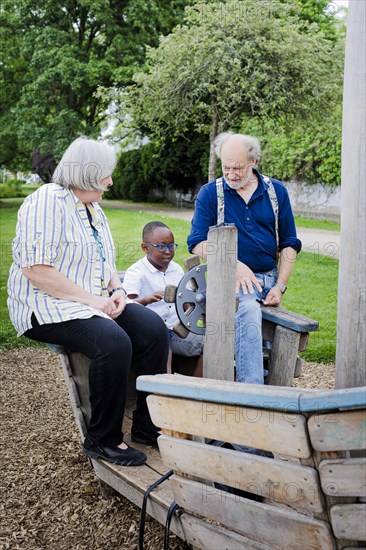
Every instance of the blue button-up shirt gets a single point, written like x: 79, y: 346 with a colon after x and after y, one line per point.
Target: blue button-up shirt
x: 254, y: 220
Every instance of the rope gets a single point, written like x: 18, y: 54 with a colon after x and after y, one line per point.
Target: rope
x: 144, y: 505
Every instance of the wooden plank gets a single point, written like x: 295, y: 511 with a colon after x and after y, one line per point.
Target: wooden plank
x: 342, y: 431
x: 289, y: 319
x: 218, y: 359
x: 283, y: 357
x: 74, y: 397
x: 73, y: 393
x: 79, y: 364
x: 344, y: 477
x: 326, y: 401
x: 304, y: 340
x: 222, y: 391
x: 201, y: 534
x: 277, y: 527
x: 276, y: 398
x: 262, y: 429
x: 349, y: 521
x: 277, y: 480
x: 65, y: 363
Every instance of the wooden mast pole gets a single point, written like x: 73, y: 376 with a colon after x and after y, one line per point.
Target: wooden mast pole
x: 351, y: 335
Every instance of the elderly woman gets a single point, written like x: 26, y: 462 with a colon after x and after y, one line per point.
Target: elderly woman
x: 63, y: 289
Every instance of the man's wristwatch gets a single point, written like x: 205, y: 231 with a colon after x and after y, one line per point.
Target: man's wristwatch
x: 115, y: 290
x: 281, y: 286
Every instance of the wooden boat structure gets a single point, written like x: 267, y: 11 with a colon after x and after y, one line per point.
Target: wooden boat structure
x: 307, y: 491
x: 310, y: 493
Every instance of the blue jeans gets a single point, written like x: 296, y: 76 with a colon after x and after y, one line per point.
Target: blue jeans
x: 248, y: 331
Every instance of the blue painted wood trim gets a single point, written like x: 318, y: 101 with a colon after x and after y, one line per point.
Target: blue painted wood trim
x: 253, y: 395
x: 289, y: 319
x: 348, y: 398
x: 230, y: 393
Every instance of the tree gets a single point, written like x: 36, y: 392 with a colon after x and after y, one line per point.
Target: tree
x: 62, y: 52
x: 13, y: 68
x: 228, y: 59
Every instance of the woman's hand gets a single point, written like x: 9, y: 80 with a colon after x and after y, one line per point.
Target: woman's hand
x: 112, y: 306
x: 119, y: 300
x: 246, y: 279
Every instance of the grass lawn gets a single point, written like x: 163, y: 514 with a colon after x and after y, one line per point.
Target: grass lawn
x: 312, y: 289
x: 327, y: 225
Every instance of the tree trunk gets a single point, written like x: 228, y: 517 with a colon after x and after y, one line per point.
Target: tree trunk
x: 351, y: 337
x: 212, y: 163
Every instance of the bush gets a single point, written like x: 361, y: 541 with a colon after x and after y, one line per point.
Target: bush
x: 10, y: 189
x: 309, y: 153
x: 180, y: 165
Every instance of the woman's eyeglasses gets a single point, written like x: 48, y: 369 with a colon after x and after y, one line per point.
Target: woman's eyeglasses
x: 163, y: 247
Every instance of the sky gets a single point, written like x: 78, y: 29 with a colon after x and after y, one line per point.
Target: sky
x: 335, y: 6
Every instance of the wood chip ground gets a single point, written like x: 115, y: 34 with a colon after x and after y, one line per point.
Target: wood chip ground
x: 50, y: 498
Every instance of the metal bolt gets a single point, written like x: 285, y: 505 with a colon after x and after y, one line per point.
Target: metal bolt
x: 198, y: 269
x: 180, y: 294
x: 189, y: 324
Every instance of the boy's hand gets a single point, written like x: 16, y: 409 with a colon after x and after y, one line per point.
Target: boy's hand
x: 154, y: 297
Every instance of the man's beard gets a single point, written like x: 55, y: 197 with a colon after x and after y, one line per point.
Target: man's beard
x: 241, y: 183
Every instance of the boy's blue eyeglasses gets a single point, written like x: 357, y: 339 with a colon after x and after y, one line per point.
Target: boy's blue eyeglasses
x: 163, y: 247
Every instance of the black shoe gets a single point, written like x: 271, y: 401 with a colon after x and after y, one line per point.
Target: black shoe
x: 144, y: 437
x: 115, y: 455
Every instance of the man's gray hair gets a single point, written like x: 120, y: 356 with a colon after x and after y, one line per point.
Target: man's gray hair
x: 250, y: 143
x: 85, y: 163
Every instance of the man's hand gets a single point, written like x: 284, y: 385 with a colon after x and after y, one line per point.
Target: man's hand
x: 246, y: 279
x: 273, y: 297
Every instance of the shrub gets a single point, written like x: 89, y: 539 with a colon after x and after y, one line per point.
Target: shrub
x: 158, y: 166
x: 311, y: 153
x: 10, y: 189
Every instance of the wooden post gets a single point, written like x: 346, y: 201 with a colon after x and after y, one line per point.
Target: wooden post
x: 218, y: 357
x: 351, y: 337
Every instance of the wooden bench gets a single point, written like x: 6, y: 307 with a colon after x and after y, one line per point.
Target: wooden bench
x: 313, y: 491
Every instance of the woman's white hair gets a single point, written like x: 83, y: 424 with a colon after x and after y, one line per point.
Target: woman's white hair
x: 250, y: 143
x: 85, y: 163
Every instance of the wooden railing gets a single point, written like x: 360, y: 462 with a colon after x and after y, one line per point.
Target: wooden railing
x: 312, y: 491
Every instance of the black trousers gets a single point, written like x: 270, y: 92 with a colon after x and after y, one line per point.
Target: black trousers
x: 138, y: 334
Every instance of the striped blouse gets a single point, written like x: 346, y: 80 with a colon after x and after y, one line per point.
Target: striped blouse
x: 53, y: 229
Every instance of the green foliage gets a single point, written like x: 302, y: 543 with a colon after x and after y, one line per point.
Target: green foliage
x: 57, y: 54
x: 306, y: 152
x: 318, y: 13
x: 11, y: 188
x: 211, y: 69
x: 157, y: 166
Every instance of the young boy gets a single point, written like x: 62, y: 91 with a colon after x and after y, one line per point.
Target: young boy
x: 145, y: 282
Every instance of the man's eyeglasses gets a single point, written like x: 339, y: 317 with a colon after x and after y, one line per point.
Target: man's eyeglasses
x: 163, y: 247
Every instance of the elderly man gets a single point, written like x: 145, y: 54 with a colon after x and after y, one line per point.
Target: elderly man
x: 260, y: 209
